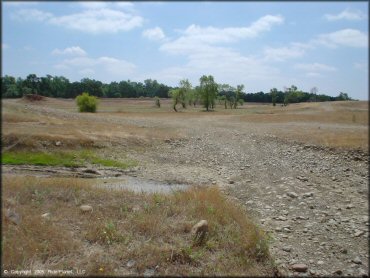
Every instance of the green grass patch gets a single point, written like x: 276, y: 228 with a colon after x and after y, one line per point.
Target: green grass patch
x: 39, y: 158
x: 67, y: 159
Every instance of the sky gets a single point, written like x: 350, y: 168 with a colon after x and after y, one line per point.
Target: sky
x: 262, y: 45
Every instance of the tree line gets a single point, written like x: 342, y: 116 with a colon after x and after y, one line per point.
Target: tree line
x: 61, y: 87
x: 184, y: 94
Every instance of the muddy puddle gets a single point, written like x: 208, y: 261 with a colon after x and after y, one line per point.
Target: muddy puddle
x: 139, y: 185
x: 104, y: 179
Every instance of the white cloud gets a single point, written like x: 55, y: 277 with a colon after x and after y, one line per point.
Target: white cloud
x: 346, y: 15
x: 125, y: 6
x: 101, y: 66
x: 31, y: 15
x: 19, y: 4
x: 155, y: 34
x: 196, y: 38
x: 93, y: 20
x: 73, y: 51
x: 93, y: 5
x: 206, y: 54
x: 99, y: 21
x: 280, y: 54
x: 315, y: 67
x: 344, y: 37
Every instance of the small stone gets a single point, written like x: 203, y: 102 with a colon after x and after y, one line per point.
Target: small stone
x: 91, y: 171
x: 130, y: 263
x: 281, y: 218
x: 359, y: 233
x: 299, y: 267
x: 46, y: 215
x: 338, y: 272
x: 287, y: 248
x: 231, y: 182
x: 149, y: 272
x: 58, y: 143
x: 357, y: 260
x: 308, y: 194
x: 292, y: 194
x: 214, y: 182
x: 167, y: 140
x: 86, y: 208
x: 13, y: 217
x: 320, y: 262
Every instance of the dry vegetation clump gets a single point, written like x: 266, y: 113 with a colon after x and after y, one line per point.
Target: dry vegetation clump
x: 151, y: 231
x: 33, y: 97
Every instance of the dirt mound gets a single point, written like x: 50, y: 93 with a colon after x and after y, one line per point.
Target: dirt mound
x: 33, y: 97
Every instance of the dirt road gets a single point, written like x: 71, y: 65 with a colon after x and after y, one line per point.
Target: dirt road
x: 313, y: 201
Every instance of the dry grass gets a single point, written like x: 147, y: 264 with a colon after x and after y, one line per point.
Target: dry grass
x: 336, y: 124
x: 117, y: 123
x: 24, y: 127
x: 153, y: 230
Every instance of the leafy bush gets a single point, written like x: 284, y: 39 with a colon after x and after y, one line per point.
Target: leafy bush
x: 157, y: 102
x: 86, y: 103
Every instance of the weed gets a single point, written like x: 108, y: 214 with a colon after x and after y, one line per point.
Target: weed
x: 114, y: 232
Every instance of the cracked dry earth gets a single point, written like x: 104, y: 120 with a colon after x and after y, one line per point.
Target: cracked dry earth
x: 313, y: 201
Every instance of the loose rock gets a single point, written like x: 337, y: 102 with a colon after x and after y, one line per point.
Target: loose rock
x: 86, y: 208
x: 149, y: 272
x: 299, y: 267
x: 357, y: 260
x: 13, y: 217
x: 292, y: 194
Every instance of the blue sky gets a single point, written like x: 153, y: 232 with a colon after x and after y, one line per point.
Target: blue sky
x: 259, y: 44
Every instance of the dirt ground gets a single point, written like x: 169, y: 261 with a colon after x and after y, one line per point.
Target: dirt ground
x: 301, y: 170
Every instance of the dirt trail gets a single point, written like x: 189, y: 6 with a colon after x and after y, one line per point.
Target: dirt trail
x: 313, y: 201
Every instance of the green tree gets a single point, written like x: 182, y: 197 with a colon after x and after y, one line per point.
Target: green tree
x: 273, y: 93
x: 238, y: 95
x: 86, y: 103
x: 9, y: 87
x: 181, y: 94
x: 208, y: 91
x: 32, y: 82
x: 343, y: 96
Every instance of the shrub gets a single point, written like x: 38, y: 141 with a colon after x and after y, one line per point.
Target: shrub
x: 86, y: 103
x: 157, y: 102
